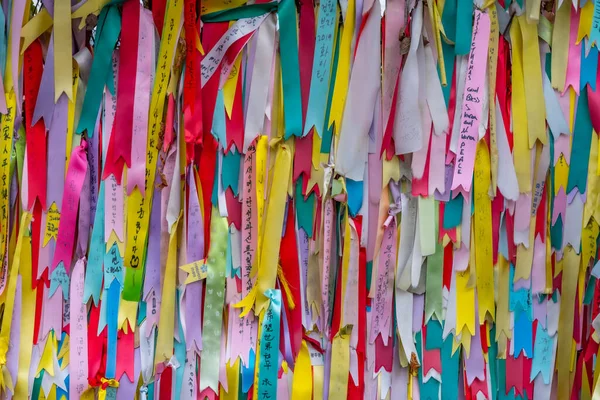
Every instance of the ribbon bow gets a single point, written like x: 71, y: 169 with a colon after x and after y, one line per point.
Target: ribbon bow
x: 104, y: 385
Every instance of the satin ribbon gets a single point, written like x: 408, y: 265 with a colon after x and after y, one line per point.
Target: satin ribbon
x: 144, y: 76
x: 192, y: 100
x: 5, y: 379
x: 290, y: 75
x: 63, y: 50
x: 213, y: 304
x: 78, y: 363
x: 109, y: 24
x: 270, y: 241
x: 36, y: 133
x: 66, y: 229
x: 483, y: 234
x: 138, y: 207
x: 472, y: 104
x: 105, y: 386
x: 319, y: 83
x: 164, y: 341
x: 7, y: 125
x: 269, y: 346
x: 119, y: 148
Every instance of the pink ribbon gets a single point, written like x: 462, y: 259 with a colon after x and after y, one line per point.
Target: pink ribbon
x: 70, y: 203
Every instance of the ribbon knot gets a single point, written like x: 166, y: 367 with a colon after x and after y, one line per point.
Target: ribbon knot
x: 104, y: 385
x: 143, y: 392
x: 395, y: 207
x: 276, y: 141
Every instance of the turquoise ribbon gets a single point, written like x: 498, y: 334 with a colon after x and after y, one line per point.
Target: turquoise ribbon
x: 464, y: 20
x: 231, y: 171
x: 450, y: 365
x: 304, y: 208
x: 449, y: 19
x: 109, y: 24
x: 580, y: 147
x: 453, y: 212
x: 93, y: 272
x: 179, y: 347
x: 319, y: 81
x: 269, y: 347
x: 290, y: 72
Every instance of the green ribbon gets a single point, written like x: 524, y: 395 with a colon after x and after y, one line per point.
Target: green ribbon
x: 213, y: 303
x: 433, y: 284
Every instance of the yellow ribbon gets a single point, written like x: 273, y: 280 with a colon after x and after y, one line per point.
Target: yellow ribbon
x: 560, y: 45
x: 520, y: 122
x: 343, y: 71
x: 465, y: 301
x: 7, y: 125
x: 27, y: 324
x: 534, y: 94
x: 340, y: 360
x: 63, y: 49
x: 5, y: 380
x: 40, y: 23
x: 565, y: 348
x: 273, y: 223
x: 302, y: 382
x: 164, y: 342
x: 492, y: 65
x: 483, y: 234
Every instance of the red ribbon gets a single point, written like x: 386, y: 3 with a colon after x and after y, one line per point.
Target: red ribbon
x: 192, y: 97
x: 158, y: 14
x: 306, y: 50
x: 36, y: 134
x: 125, y: 355
x: 119, y: 147
x: 288, y: 255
